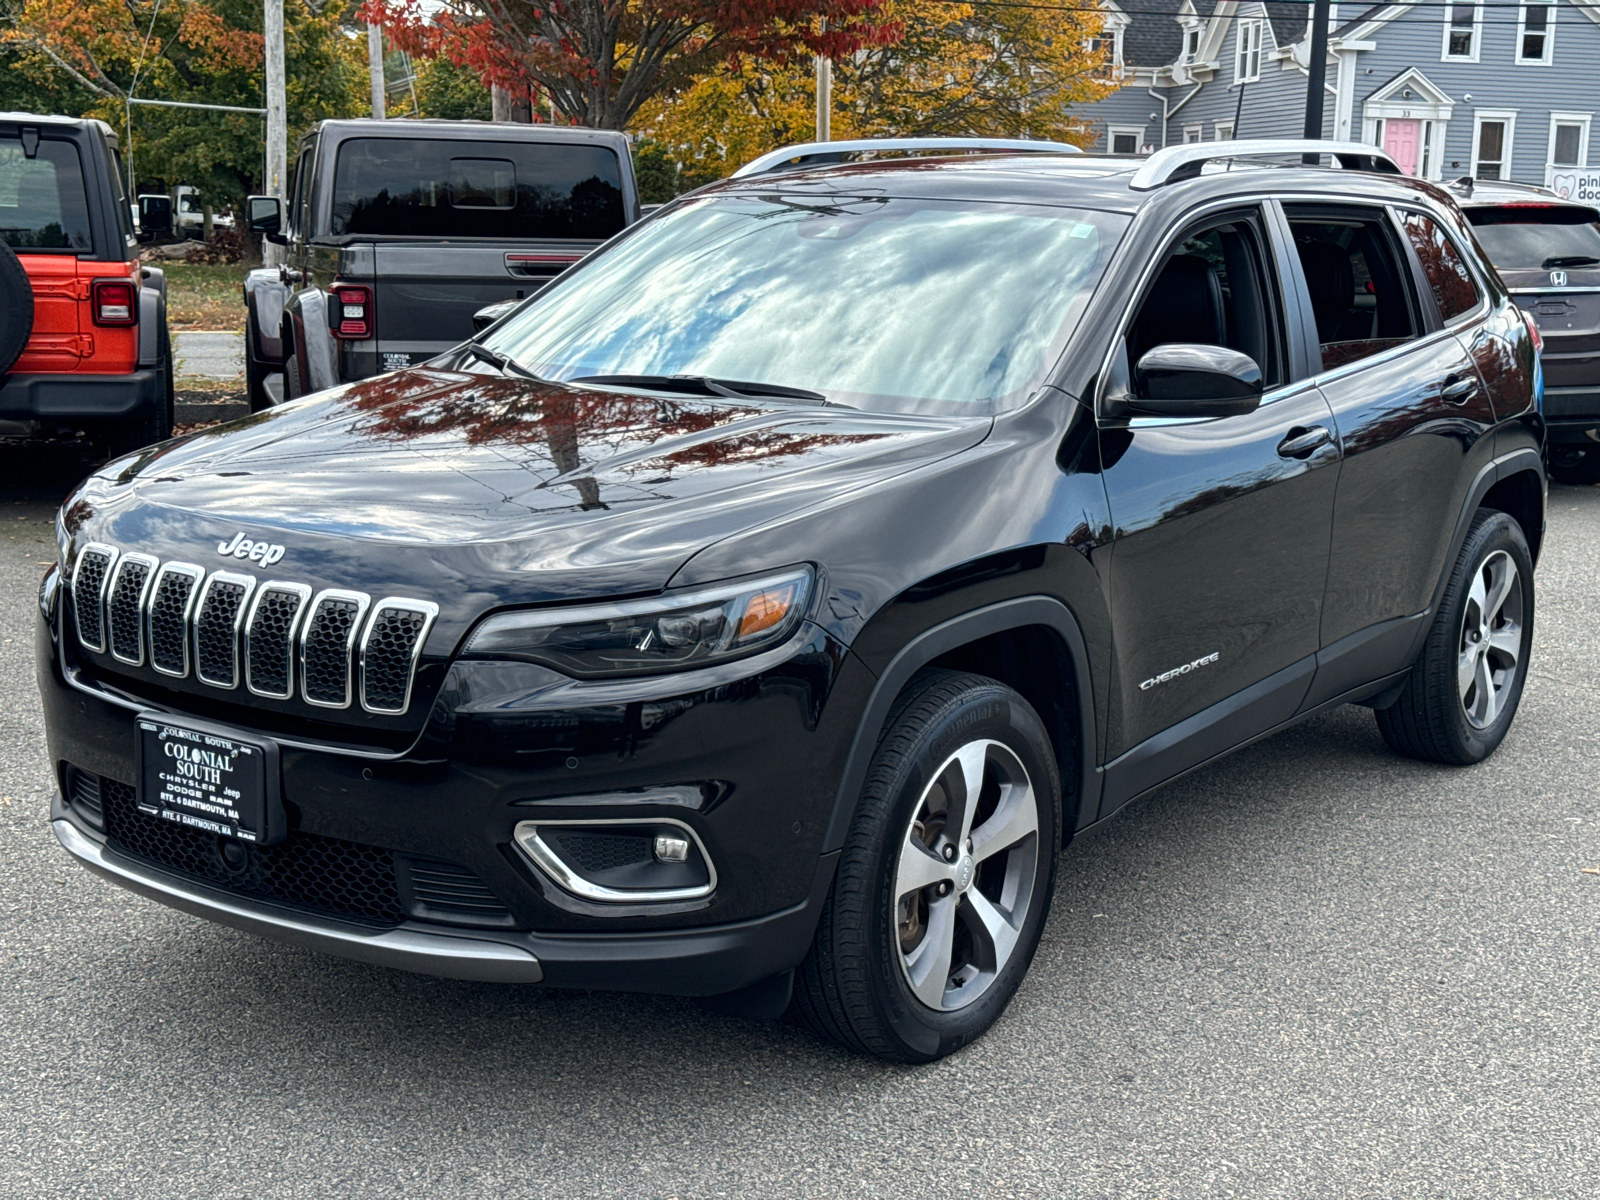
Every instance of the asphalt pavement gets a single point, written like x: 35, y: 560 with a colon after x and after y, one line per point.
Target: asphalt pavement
x: 1312, y: 970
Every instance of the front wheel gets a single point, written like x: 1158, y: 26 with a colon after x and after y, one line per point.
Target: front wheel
x: 1578, y: 466
x: 1464, y: 689
x: 944, y: 881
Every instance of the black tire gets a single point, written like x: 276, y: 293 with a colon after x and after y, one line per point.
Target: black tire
x: 16, y: 308
x: 1578, y: 466
x: 291, y: 377
x: 855, y: 985
x: 255, y: 376
x: 1437, y: 719
x: 155, y: 423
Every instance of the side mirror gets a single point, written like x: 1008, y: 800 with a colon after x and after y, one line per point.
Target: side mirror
x: 1188, y: 379
x: 488, y: 315
x: 266, y: 217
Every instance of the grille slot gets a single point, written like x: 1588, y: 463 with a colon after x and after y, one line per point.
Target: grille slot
x: 306, y: 870
x: 216, y: 629
x: 83, y: 793
x: 446, y: 891
x: 326, y: 645
x: 389, y: 651
x: 269, y: 638
x: 130, y: 583
x: 169, y: 608
x: 89, y: 580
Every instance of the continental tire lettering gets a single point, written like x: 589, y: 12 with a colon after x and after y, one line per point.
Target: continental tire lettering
x: 1177, y: 671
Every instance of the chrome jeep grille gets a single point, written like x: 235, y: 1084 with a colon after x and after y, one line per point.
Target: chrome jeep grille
x: 275, y: 638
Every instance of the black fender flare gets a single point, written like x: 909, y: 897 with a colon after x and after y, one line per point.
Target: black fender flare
x: 307, y: 336
x: 264, y: 296
x: 1017, y: 613
x: 1518, y: 461
x: 152, y: 315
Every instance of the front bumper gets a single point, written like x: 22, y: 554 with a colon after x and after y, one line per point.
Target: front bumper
x: 83, y: 396
x: 702, y: 962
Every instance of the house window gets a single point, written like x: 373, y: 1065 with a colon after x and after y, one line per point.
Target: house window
x: 1224, y: 131
x: 1535, y: 32
x: 1569, y: 140
x: 1247, y: 54
x: 1463, y: 26
x: 1193, y: 134
x: 1125, y: 140
x: 1191, y: 45
x: 1491, y: 145
x: 1107, y: 47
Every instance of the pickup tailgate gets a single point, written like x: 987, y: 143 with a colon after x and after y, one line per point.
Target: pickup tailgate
x: 426, y: 292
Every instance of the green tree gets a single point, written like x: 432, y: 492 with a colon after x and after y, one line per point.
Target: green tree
x: 450, y: 91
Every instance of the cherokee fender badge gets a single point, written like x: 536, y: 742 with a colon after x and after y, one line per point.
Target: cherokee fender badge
x: 1183, y: 670
x: 265, y: 553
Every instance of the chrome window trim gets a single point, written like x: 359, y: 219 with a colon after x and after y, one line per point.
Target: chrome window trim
x: 363, y: 602
x: 197, y: 574
x: 430, y: 613
x: 526, y: 836
x: 298, y: 589
x: 1544, y: 291
x: 109, y: 590
x: 216, y: 577
x: 105, y: 582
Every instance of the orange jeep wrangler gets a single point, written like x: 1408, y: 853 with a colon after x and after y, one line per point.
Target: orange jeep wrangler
x: 83, y: 327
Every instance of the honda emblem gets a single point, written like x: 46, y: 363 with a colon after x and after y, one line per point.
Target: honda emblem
x: 1558, y: 279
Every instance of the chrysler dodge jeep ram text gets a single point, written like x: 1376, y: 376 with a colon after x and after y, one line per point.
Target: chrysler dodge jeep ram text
x: 759, y: 610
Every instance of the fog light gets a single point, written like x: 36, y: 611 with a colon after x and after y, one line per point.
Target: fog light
x: 670, y: 849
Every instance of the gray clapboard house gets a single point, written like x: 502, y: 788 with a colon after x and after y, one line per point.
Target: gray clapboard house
x: 1498, y: 89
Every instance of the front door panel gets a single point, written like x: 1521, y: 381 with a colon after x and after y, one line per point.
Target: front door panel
x: 1221, y: 550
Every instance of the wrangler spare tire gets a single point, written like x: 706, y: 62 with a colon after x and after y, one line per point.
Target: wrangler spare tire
x: 16, y: 308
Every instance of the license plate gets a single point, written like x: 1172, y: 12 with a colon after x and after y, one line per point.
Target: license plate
x: 207, y: 778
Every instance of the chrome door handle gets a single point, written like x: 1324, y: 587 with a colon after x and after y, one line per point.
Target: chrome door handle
x: 1301, y: 442
x: 1458, y: 387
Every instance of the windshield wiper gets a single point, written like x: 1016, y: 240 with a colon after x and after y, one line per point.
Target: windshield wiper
x: 705, y: 385
x: 1570, y: 260
x: 500, y: 362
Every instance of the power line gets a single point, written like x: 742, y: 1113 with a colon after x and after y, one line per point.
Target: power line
x: 1395, y: 20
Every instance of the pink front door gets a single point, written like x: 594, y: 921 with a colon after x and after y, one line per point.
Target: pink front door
x: 1400, y: 143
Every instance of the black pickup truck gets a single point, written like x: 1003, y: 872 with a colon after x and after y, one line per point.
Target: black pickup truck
x: 399, y: 231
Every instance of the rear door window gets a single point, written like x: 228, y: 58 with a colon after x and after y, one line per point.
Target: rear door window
x: 42, y: 201
x: 1356, y: 281
x: 1442, y: 263
x: 457, y: 189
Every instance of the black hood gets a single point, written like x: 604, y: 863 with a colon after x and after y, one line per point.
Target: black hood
x: 477, y: 491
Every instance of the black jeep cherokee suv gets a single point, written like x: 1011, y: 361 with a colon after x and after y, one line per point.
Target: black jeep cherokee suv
x: 761, y: 608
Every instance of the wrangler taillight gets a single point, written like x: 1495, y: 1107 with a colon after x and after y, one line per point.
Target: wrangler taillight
x: 351, y: 310
x: 116, y: 302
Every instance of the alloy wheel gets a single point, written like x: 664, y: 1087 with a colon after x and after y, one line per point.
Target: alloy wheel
x: 965, y: 875
x: 1491, y: 639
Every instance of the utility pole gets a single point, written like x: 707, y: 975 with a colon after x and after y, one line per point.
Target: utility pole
x: 1317, y: 74
x: 824, y: 99
x: 277, y: 119
x: 375, y: 69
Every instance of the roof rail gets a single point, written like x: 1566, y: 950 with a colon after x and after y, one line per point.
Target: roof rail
x: 1177, y: 163
x: 824, y: 154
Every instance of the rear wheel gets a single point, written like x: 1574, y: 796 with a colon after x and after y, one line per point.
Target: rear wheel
x: 255, y: 377
x: 16, y: 308
x: 1464, y: 690
x: 1575, y: 465
x: 291, y: 378
x: 944, y: 882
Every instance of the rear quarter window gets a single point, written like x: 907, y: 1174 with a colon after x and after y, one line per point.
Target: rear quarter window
x: 467, y: 189
x: 42, y: 201
x: 1448, y: 275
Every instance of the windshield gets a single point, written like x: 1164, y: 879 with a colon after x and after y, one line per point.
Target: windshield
x: 874, y: 302
x: 1520, y: 238
x: 42, y: 202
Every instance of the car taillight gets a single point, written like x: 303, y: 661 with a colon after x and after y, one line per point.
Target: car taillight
x: 351, y: 315
x: 116, y: 302
x: 1533, y: 330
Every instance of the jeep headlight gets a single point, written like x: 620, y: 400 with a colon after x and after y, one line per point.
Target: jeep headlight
x: 646, y: 637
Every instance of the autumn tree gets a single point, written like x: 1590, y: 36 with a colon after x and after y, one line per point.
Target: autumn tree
x: 973, y: 69
x: 99, y: 52
x: 597, y: 61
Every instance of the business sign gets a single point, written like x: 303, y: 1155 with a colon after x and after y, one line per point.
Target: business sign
x: 1574, y: 183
